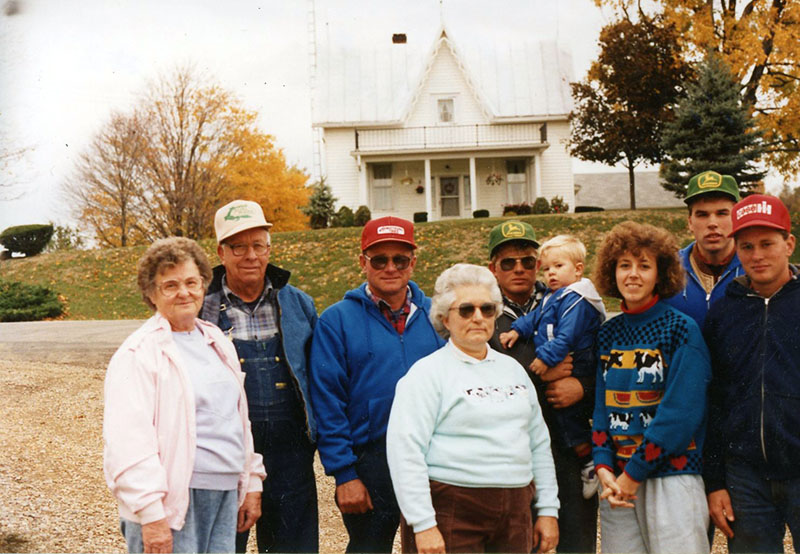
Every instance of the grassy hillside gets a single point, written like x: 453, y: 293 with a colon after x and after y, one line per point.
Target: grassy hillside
x: 101, y: 284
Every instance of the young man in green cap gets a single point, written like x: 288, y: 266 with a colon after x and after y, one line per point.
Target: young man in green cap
x: 710, y: 261
x: 513, y: 251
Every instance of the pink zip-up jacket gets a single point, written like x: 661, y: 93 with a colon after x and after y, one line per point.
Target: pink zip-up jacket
x: 149, y: 436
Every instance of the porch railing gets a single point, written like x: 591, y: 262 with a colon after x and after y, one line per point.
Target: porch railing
x: 450, y: 136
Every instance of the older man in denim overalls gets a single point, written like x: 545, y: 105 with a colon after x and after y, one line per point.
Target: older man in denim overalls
x: 271, y: 324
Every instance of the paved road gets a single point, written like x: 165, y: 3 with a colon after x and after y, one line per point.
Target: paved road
x: 88, y: 343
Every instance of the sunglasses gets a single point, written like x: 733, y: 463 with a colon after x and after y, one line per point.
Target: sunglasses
x: 466, y: 311
x: 528, y: 262
x: 380, y: 261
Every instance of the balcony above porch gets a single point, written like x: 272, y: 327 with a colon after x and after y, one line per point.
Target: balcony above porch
x: 450, y: 138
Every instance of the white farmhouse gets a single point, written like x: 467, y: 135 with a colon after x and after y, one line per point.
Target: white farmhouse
x: 445, y: 131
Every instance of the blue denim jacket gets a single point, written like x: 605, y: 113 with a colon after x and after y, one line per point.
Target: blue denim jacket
x: 297, y: 318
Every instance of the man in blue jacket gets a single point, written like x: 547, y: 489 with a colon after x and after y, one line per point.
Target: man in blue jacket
x: 362, y: 346
x: 271, y: 324
x: 710, y: 261
x: 752, y: 452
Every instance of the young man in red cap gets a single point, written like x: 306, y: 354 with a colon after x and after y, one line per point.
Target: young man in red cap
x: 752, y: 451
x: 362, y: 346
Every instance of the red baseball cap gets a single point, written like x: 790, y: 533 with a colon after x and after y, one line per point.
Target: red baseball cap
x: 760, y: 210
x: 387, y: 229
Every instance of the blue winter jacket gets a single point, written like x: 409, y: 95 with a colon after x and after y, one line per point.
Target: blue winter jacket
x: 297, y: 318
x: 357, y: 358
x: 693, y: 300
x: 755, y: 389
x: 566, y: 320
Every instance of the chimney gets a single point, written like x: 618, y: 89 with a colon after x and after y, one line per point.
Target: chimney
x: 399, y: 38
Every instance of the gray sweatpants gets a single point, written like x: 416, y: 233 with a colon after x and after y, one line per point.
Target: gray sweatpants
x: 670, y: 515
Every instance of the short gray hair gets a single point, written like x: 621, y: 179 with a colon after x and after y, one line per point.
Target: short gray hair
x: 458, y: 276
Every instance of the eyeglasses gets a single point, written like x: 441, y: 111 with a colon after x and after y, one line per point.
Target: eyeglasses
x: 171, y: 288
x: 380, y: 261
x: 528, y: 262
x: 466, y: 311
x: 241, y: 249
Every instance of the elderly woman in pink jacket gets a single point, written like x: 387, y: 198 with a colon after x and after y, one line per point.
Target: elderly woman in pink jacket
x: 178, y: 451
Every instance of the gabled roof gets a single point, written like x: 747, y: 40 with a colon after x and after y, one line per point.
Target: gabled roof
x: 381, y: 85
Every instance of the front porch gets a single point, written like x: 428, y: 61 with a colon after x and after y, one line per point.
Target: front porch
x: 449, y: 186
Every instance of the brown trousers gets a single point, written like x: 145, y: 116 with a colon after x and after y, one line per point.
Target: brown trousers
x: 479, y: 519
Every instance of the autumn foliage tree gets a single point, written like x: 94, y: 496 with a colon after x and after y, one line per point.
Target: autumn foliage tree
x: 760, y: 42
x: 627, y: 96
x: 164, y: 168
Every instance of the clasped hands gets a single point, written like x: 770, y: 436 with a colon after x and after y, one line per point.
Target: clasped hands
x: 619, y: 491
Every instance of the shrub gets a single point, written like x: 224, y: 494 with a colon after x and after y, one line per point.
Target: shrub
x: 26, y: 239
x: 480, y: 213
x: 541, y: 206
x: 558, y: 206
x: 343, y: 218
x: 581, y: 209
x: 320, y: 205
x: 362, y: 216
x: 65, y: 238
x: 420, y: 217
x: 517, y: 209
x: 19, y: 302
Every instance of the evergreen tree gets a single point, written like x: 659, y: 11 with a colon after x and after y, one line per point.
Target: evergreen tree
x: 712, y: 130
x: 320, y: 205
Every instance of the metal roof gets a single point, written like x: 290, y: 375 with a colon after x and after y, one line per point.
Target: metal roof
x: 378, y: 85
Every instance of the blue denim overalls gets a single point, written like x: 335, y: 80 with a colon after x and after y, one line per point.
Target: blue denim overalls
x: 289, y: 518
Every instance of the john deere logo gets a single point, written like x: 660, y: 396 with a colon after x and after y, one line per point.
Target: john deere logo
x: 709, y: 180
x: 512, y: 230
x: 235, y: 213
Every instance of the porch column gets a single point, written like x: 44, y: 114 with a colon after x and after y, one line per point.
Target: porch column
x: 363, y: 196
x: 428, y: 190
x: 473, y: 185
x: 537, y: 175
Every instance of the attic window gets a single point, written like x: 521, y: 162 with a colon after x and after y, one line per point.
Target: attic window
x: 399, y: 38
x: 445, y: 108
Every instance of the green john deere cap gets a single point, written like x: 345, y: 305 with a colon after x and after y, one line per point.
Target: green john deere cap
x: 711, y: 181
x: 511, y: 230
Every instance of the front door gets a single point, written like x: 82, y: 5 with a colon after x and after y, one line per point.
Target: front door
x: 449, y: 195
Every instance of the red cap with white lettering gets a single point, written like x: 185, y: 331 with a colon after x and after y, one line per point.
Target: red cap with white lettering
x: 387, y: 229
x: 760, y: 210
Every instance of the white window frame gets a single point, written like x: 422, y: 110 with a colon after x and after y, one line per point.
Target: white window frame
x: 385, y: 187
x: 444, y: 98
x: 512, y: 181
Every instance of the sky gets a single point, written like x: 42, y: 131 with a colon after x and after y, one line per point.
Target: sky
x: 66, y: 66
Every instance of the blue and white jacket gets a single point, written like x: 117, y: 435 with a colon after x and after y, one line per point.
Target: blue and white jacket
x: 566, y: 320
x: 693, y: 300
x: 357, y: 357
x: 755, y: 391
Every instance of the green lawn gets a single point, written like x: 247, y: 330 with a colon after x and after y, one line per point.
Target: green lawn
x: 101, y: 284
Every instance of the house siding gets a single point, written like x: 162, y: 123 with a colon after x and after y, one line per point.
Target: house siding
x: 557, y: 178
x: 445, y: 78
x: 342, y: 169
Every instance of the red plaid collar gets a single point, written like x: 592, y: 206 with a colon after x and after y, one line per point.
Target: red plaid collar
x: 396, y: 318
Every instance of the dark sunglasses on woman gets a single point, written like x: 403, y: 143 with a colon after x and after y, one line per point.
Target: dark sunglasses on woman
x: 466, y: 311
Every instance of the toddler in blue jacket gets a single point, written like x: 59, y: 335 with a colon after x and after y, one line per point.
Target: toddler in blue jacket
x: 566, y: 322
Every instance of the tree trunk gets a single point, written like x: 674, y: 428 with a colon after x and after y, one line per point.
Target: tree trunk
x: 631, y: 181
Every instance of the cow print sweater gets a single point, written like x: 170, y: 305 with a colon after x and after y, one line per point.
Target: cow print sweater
x: 650, y: 404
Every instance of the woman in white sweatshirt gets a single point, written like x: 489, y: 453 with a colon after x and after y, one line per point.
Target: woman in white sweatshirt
x: 468, y: 449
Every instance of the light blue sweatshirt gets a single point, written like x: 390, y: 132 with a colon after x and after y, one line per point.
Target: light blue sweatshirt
x: 468, y: 423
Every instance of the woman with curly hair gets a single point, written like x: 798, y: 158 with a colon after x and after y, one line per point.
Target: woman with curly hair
x: 650, y: 405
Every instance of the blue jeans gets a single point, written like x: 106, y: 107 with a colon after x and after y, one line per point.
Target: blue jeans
x: 289, y: 514
x: 762, y: 509
x: 374, y: 531
x: 210, y: 524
